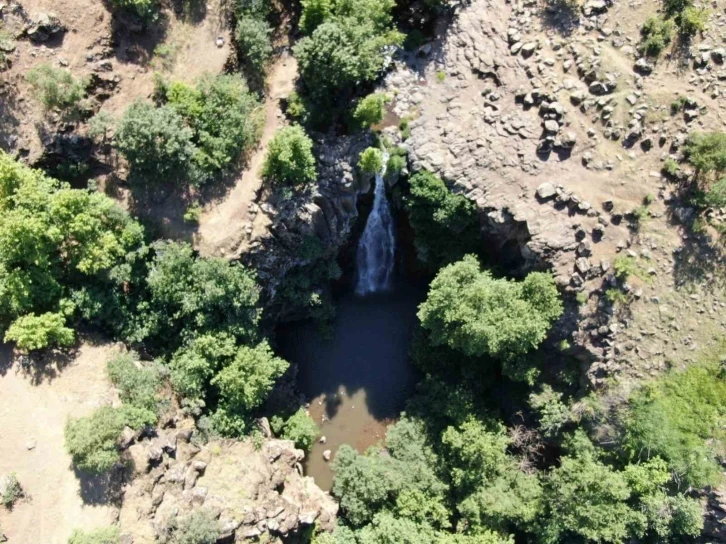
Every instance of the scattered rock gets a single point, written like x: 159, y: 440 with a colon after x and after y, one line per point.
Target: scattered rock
x: 326, y: 455
x: 546, y: 191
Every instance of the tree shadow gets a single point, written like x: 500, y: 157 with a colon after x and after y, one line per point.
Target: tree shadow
x: 561, y: 18
x: 46, y: 365
x: 135, y: 39
x: 103, y: 489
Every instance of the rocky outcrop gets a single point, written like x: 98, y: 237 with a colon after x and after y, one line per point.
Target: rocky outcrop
x: 257, y: 492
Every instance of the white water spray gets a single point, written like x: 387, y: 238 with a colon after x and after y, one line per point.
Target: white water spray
x: 377, y: 245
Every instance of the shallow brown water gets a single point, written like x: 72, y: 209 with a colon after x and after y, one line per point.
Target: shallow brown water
x: 359, y: 379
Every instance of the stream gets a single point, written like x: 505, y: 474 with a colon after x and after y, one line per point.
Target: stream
x: 359, y: 377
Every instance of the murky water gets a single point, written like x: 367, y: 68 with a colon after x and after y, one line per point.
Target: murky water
x: 359, y: 379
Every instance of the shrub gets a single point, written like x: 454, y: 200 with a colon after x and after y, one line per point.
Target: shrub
x: 106, y: 535
x: 199, y: 527
x: 371, y: 161
x: 297, y: 108
x: 314, y: 13
x: 193, y: 213
x: 671, y: 167
x: 143, y: 8
x: 370, y: 110
x: 92, y: 441
x: 552, y: 412
x: 707, y: 152
x: 716, y: 194
x: 138, y: 385
x: 253, y: 41
x: 156, y: 143
x: 56, y: 87
x: 11, y: 490
x: 300, y: 428
x: 692, y: 20
x: 289, y: 158
x: 32, y: 332
x: 470, y: 311
x: 625, y: 266
x: 657, y: 35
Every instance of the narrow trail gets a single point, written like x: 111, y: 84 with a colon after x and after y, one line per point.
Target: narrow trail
x: 224, y: 225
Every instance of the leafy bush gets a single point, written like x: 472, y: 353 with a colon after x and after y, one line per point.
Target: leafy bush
x: 300, y: 428
x: 92, y: 441
x: 370, y: 110
x: 156, y: 143
x: 371, y: 161
x: 470, y: 311
x: 446, y: 225
x: 674, y: 418
x: 347, y: 46
x: 56, y: 87
x: 314, y: 13
x: 716, y: 194
x: 289, y: 158
x: 138, y: 385
x: 193, y: 213
x: 671, y: 167
x: 707, y: 152
x: 194, y: 365
x: 657, y: 35
x: 225, y: 116
x: 253, y: 42
x: 11, y: 490
x: 32, y: 332
x: 107, y: 535
x: 692, y: 20
x: 143, y: 8
x: 199, y: 527
x: 553, y: 413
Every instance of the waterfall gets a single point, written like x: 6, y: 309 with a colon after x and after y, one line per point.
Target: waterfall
x: 377, y: 245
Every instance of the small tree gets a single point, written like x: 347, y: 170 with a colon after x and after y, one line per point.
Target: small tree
x: 657, y: 35
x: 32, y: 332
x: 300, y: 428
x: 289, y: 158
x: 692, y: 20
x: 56, y: 87
x: 92, y: 441
x: 707, y: 152
x: 253, y: 41
x: 200, y: 527
x: 156, y: 142
x: 314, y: 13
x: 371, y: 161
x: 370, y: 110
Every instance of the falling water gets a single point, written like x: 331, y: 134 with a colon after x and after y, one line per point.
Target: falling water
x: 377, y: 246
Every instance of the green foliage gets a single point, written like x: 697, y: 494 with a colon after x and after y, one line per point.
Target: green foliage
x: 56, y: 87
x: 716, y: 194
x: 346, y: 45
x: 625, y: 266
x: 145, y: 9
x: 692, y: 20
x: 297, y: 108
x: 440, y: 76
x: 707, y: 152
x: 289, y: 158
x: 657, y: 35
x: 300, y: 428
x: 671, y: 167
x: 446, y: 226
x: 106, y: 535
x: 193, y: 213
x: 253, y: 42
x: 226, y: 119
x: 138, y: 385
x: 199, y: 527
x: 552, y: 412
x: 468, y: 310
x: 674, y: 418
x: 99, y: 125
x: 32, y: 332
x: 92, y: 441
x: 371, y: 160
x: 587, y: 499
x: 194, y: 365
x: 370, y: 110
x: 11, y: 490
x: 156, y: 143
x: 54, y: 241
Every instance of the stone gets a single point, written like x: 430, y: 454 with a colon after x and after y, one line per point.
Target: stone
x: 219, y: 41
x: 546, y: 191
x: 551, y: 126
x: 323, y: 439
x: 718, y: 55
x: 582, y: 265
x: 43, y: 27
x: 326, y: 455
x: 642, y: 66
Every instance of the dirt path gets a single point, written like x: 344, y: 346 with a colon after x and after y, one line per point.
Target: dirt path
x: 32, y: 417
x: 223, y: 223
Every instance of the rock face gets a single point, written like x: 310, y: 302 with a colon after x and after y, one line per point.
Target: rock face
x: 255, y: 493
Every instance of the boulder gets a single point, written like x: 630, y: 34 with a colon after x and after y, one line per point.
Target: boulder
x: 43, y: 27
x: 546, y: 191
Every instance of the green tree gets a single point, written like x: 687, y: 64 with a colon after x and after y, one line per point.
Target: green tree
x: 289, y: 158
x: 586, y: 498
x: 716, y: 194
x: 657, y: 34
x: 253, y: 41
x: 145, y: 9
x: 199, y: 527
x: 707, y: 152
x: 300, y: 428
x: 138, y: 385
x: 370, y: 110
x: 446, y: 225
x: 194, y: 364
x: 156, y: 143
x: 56, y: 87
x: 92, y: 441
x: 371, y: 160
x: 32, y: 332
x: 468, y: 310
x: 106, y: 535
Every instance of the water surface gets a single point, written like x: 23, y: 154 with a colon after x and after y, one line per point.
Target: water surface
x: 359, y: 378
